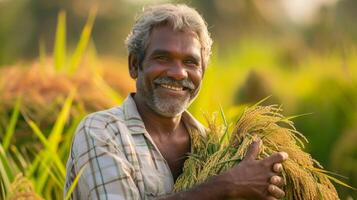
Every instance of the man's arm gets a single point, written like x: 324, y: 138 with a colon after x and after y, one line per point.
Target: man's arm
x: 108, y: 175
x: 250, y: 179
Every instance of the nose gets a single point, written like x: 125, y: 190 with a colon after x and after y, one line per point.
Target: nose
x: 177, y: 71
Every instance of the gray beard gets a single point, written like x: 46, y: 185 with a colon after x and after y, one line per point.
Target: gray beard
x: 165, y: 106
x: 169, y: 107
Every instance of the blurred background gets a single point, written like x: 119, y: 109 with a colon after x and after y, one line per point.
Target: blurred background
x: 60, y: 60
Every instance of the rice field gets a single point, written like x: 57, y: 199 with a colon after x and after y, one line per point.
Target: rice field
x: 43, y: 100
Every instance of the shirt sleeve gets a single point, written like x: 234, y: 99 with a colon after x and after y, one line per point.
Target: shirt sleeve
x: 107, y: 174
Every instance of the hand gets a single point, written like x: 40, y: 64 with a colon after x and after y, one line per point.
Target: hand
x: 257, y: 179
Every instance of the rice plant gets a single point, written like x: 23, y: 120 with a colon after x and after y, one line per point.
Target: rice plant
x: 224, y: 147
x: 22, y: 189
x: 46, y: 82
x: 36, y: 173
x: 47, y: 100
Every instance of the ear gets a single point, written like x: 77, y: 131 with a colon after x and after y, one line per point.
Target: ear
x: 133, y: 63
x: 203, y: 71
x: 204, y: 67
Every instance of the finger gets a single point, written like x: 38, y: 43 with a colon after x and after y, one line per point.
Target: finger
x: 277, y: 180
x: 253, y: 150
x: 277, y: 167
x: 277, y: 157
x: 276, y: 191
x: 271, y: 198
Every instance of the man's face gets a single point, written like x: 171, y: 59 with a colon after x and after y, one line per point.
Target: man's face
x: 171, y: 72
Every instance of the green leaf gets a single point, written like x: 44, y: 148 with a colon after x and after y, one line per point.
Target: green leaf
x: 6, y: 174
x: 82, y: 44
x: 339, y: 182
x: 328, y: 172
x: 55, y: 135
x: 68, y: 135
x: 324, y: 173
x: 295, y: 116
x: 237, y: 160
x: 30, y: 171
x: 48, y: 158
x: 22, y: 163
x: 107, y: 90
x: 60, y: 42
x: 11, y: 127
x: 36, y: 130
x: 224, y: 137
x: 261, y: 101
x: 74, y: 183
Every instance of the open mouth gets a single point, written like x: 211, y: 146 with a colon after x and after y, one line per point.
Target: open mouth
x: 172, y: 87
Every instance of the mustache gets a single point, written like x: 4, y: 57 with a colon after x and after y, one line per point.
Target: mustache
x: 186, y: 83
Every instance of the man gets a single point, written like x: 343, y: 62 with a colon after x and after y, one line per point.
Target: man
x: 137, y: 150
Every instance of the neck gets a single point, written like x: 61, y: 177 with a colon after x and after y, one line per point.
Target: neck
x: 154, y: 122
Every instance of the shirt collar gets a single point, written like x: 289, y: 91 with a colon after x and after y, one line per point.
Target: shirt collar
x: 132, y: 117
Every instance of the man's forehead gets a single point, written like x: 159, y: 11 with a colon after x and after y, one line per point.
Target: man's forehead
x: 171, y: 28
x: 166, y: 38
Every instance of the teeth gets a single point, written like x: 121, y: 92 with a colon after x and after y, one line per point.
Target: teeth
x: 171, y: 87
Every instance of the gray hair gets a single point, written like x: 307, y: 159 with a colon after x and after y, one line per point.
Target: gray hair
x: 179, y: 17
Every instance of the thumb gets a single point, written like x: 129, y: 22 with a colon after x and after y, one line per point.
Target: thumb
x: 253, y: 150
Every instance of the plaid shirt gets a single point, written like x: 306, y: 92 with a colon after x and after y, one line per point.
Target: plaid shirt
x: 120, y: 159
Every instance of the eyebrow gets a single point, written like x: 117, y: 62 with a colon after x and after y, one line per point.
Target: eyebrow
x: 165, y: 52
x: 160, y: 52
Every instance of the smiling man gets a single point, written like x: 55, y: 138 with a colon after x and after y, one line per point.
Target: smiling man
x: 137, y: 150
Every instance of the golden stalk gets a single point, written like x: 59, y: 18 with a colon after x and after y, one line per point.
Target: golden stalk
x: 304, y: 176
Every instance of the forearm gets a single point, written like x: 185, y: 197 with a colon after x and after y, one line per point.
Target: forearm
x: 212, y: 189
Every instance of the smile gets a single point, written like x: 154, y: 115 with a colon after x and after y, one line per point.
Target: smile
x: 171, y: 87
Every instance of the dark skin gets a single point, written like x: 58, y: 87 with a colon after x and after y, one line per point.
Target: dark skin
x: 165, y: 50
x: 177, y: 54
x: 173, y: 142
x: 174, y: 149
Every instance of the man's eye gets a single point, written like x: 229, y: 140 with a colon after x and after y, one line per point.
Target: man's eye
x: 162, y: 58
x: 190, y: 62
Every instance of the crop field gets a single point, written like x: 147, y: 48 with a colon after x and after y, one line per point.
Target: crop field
x: 43, y: 98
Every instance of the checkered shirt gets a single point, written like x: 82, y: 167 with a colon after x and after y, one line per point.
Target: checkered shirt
x: 118, y: 158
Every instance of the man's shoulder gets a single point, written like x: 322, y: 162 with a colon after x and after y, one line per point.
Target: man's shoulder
x: 98, y: 129
x: 100, y: 124
x: 104, y: 117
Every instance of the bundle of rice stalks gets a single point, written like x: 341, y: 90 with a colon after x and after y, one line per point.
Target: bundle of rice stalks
x: 218, y: 151
x: 22, y: 189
